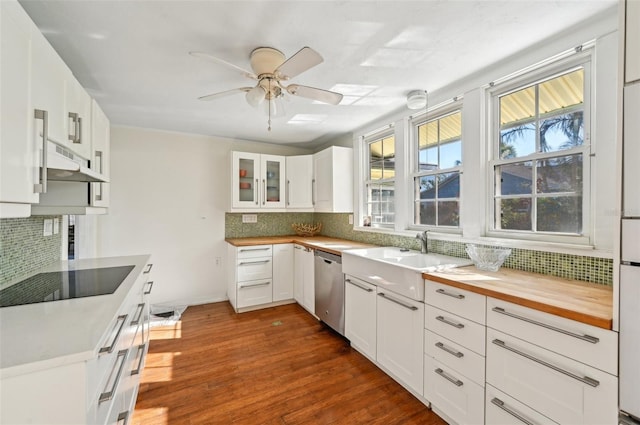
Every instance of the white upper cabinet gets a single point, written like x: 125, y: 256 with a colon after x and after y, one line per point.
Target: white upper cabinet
x: 299, y: 189
x: 100, y: 154
x: 632, y: 41
x: 19, y: 162
x: 257, y: 181
x: 333, y: 180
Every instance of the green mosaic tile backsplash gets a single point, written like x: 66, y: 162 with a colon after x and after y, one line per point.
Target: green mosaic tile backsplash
x: 23, y: 249
x: 589, y: 269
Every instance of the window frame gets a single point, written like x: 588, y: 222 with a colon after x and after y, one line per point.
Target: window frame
x: 373, y: 137
x: 584, y: 60
x: 456, y: 106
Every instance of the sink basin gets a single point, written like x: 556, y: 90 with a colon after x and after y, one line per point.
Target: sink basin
x: 397, y: 270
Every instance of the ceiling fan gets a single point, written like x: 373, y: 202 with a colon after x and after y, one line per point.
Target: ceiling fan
x: 271, y: 70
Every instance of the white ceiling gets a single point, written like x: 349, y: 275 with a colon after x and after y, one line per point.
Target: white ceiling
x: 132, y: 56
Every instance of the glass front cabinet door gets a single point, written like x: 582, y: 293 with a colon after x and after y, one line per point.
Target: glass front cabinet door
x: 257, y: 181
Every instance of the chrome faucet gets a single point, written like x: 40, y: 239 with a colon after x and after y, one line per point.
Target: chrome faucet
x: 424, y: 239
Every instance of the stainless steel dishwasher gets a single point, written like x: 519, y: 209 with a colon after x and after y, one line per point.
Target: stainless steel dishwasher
x: 329, y: 290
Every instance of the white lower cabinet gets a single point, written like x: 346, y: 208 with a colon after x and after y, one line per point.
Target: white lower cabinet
x: 504, y: 410
x: 250, y: 282
x: 282, y: 272
x: 452, y: 393
x: 360, y: 315
x: 303, y: 277
x: 399, y: 336
x: 560, y: 388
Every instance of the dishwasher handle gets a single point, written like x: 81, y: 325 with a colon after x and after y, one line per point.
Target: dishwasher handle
x: 328, y: 257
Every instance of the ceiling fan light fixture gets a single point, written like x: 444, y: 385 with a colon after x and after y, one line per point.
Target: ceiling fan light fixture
x: 255, y: 96
x: 417, y: 99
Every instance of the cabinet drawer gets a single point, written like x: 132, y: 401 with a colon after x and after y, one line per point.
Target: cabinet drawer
x: 503, y: 410
x: 562, y: 389
x: 254, y: 269
x: 255, y: 293
x: 594, y: 346
x: 255, y: 251
x: 455, y: 356
x: 466, y: 304
x: 456, y: 396
x: 458, y: 329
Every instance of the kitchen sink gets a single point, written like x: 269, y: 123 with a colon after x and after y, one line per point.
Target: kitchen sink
x: 396, y: 269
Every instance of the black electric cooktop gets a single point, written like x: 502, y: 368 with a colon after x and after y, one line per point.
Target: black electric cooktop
x: 64, y: 285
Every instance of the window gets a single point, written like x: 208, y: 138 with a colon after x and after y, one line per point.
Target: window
x: 541, y: 157
x: 437, y: 174
x: 380, y: 180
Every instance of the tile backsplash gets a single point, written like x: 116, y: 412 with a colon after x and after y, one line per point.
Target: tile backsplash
x: 24, y: 249
x: 589, y: 269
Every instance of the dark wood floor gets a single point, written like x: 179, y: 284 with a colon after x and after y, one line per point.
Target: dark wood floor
x: 273, y: 366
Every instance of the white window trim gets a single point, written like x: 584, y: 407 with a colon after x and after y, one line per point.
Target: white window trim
x: 439, y: 111
x: 365, y: 140
x: 584, y: 58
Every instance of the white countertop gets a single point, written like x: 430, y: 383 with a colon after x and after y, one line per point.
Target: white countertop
x: 47, y: 334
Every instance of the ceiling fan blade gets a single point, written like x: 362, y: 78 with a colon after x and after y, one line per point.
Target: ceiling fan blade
x: 207, y: 56
x: 320, y: 95
x: 224, y: 93
x: 304, y: 59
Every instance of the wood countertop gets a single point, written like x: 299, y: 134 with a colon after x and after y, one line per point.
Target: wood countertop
x: 323, y: 243
x: 584, y: 302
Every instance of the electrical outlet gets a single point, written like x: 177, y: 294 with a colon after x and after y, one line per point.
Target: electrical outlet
x: 249, y: 218
x: 48, y: 227
x: 350, y: 218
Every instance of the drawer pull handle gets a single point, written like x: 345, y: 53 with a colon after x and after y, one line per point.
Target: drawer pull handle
x: 150, y: 287
x: 255, y: 284
x: 586, y: 380
x: 510, y: 411
x: 41, y: 186
x: 588, y: 338
x: 449, y: 322
x: 451, y: 351
x: 140, y: 353
x: 356, y: 284
x: 108, y: 395
x: 443, y: 292
x: 123, y: 417
x: 244, y: 263
x: 109, y: 348
x: 410, y: 307
x: 451, y: 379
x: 254, y: 249
x: 149, y: 266
x: 136, y: 319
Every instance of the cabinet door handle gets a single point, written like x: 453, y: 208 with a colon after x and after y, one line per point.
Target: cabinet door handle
x: 385, y: 296
x: 584, y: 379
x: 449, y: 378
x: 264, y: 192
x: 451, y: 351
x: 136, y: 319
x: 140, y: 355
x: 255, y: 284
x: 149, y: 266
x: 123, y: 417
x: 99, y: 160
x: 357, y: 285
x: 450, y: 294
x: 41, y: 187
x: 510, y: 411
x: 244, y: 263
x: 74, y: 119
x: 588, y: 338
x: 79, y: 140
x: 287, y: 193
x: 254, y: 249
x: 108, y: 395
x: 150, y: 287
x: 450, y: 322
x: 313, y: 192
x: 109, y: 348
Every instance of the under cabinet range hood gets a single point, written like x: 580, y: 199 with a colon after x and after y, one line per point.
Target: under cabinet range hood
x: 64, y: 165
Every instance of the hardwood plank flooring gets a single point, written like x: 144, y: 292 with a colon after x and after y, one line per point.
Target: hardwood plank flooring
x: 273, y: 366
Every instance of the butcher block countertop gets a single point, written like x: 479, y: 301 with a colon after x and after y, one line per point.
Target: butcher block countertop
x: 584, y: 302
x: 323, y: 243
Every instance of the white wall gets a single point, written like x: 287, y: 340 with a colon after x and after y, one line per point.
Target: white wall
x: 169, y: 194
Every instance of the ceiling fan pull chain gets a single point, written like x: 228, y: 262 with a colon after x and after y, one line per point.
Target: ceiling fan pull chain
x: 269, y: 105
